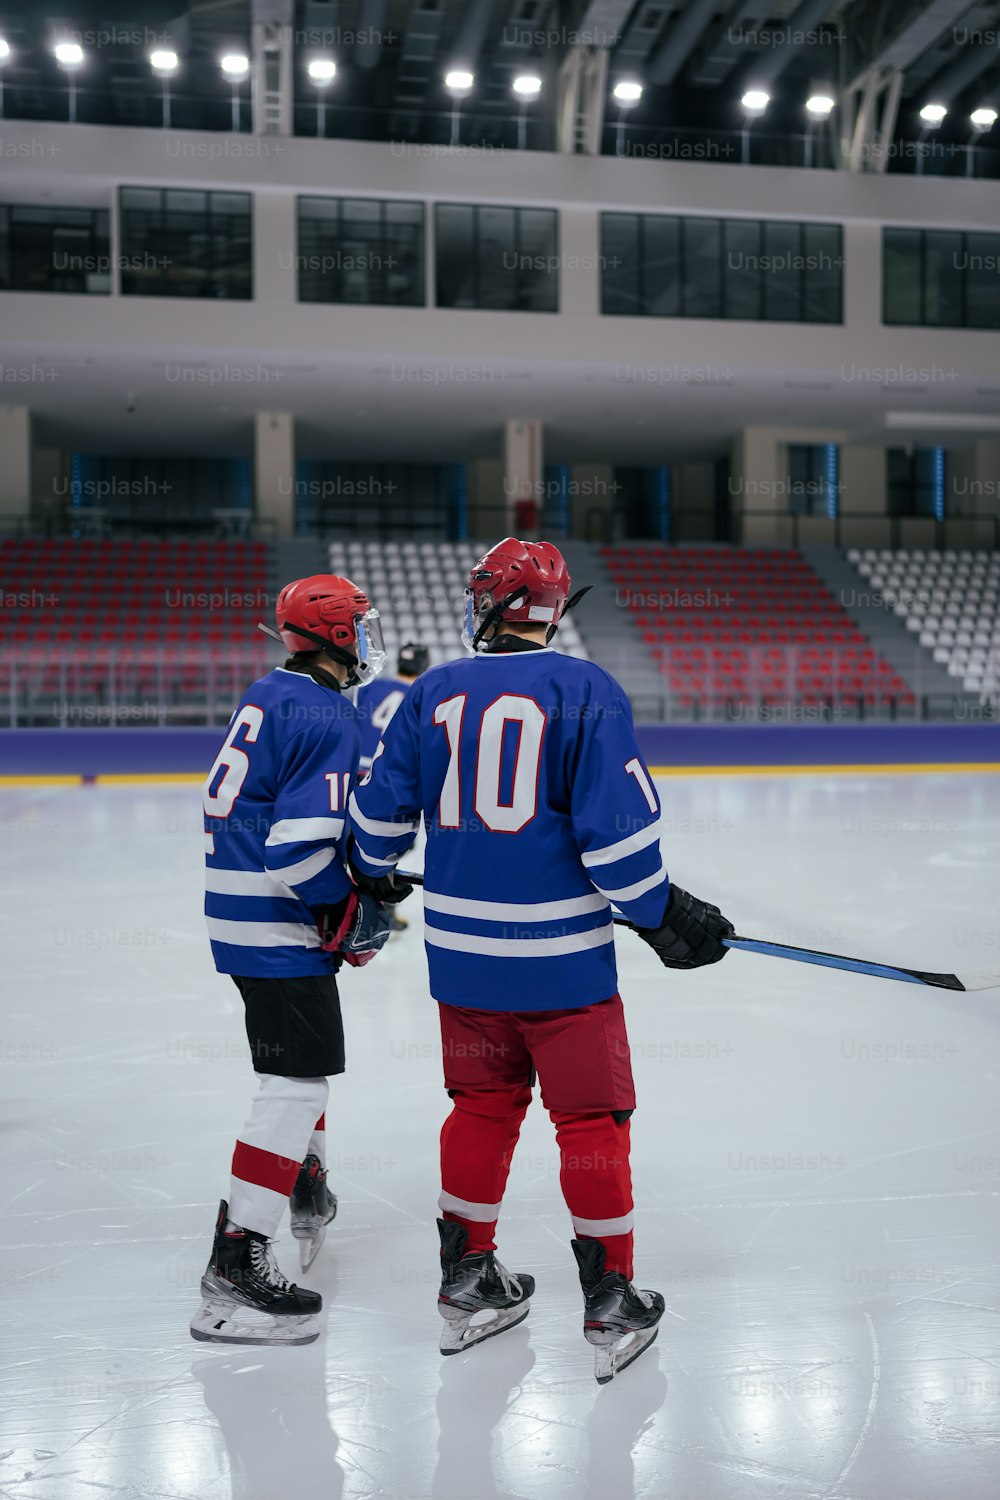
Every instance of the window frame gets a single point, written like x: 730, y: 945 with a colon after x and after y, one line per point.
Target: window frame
x: 208, y: 230
x: 644, y: 298
x: 517, y: 210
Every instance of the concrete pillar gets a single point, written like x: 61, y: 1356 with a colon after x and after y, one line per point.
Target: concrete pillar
x: 757, y: 485
x: 51, y: 486
x: 523, y: 477
x: 274, y: 472
x: 276, y: 280
x: 487, y: 503
x: 864, y: 500
x: 15, y: 471
x: 974, y: 485
x: 863, y: 479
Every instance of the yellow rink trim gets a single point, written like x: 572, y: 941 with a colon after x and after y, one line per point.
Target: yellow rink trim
x: 123, y: 779
x: 892, y: 769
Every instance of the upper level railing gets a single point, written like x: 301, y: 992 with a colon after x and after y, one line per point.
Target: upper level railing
x: 140, y: 687
x: 483, y: 131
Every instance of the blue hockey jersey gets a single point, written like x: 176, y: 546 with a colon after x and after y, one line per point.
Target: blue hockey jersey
x: 275, y: 805
x: 539, y: 814
x: 377, y: 702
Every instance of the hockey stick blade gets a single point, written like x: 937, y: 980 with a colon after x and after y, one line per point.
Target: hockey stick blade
x: 983, y: 979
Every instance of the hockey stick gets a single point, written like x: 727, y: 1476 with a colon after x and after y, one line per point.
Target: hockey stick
x: 984, y: 979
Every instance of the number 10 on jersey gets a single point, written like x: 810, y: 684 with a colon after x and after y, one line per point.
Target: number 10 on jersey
x: 488, y: 748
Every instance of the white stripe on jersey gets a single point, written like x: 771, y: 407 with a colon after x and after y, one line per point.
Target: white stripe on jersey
x: 480, y: 1213
x: 301, y: 830
x: 263, y: 934
x: 372, y: 825
x: 630, y: 845
x: 245, y: 883
x: 369, y: 859
x: 539, y: 947
x: 630, y: 892
x: 305, y: 869
x: 502, y: 911
x: 620, y: 1225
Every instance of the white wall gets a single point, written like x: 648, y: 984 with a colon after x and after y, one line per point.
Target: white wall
x: 42, y: 157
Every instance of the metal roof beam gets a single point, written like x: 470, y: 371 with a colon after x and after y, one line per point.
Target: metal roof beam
x: 919, y: 34
x: 766, y: 68
x: 680, y: 41
x: 966, y: 68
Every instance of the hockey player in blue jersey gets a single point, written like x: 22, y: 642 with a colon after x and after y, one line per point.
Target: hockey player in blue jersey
x: 378, y: 702
x: 540, y: 814
x: 282, y: 915
x: 376, y: 706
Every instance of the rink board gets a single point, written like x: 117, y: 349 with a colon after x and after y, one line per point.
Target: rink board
x: 52, y: 755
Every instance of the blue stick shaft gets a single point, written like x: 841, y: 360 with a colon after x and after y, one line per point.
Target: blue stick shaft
x: 824, y: 960
x: 809, y: 956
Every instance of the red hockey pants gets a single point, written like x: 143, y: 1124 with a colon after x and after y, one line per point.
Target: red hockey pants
x: 582, y: 1061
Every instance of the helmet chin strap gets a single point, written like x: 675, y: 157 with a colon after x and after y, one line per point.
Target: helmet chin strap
x: 495, y: 616
x: 346, y: 658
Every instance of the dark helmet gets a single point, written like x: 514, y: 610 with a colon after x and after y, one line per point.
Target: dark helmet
x: 414, y: 658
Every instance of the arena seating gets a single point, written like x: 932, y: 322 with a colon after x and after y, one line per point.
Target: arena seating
x: 734, y: 627
x: 132, y: 622
x: 950, y: 601
x: 419, y: 589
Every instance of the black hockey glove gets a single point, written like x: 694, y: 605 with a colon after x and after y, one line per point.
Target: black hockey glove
x: 691, y: 933
x: 389, y: 889
x: 357, y: 928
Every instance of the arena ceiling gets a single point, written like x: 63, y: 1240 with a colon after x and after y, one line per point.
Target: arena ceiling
x: 694, y: 58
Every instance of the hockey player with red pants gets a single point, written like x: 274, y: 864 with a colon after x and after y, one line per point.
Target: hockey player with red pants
x: 540, y: 814
x: 282, y: 915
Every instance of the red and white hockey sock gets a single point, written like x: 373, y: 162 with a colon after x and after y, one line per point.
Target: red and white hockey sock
x: 597, y: 1182
x: 270, y: 1149
x: 477, y: 1143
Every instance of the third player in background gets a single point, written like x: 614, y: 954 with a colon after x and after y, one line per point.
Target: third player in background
x: 376, y: 704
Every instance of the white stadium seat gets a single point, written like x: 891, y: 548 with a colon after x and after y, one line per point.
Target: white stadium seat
x: 950, y: 603
x: 431, y: 611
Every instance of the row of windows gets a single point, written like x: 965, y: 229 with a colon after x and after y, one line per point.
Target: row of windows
x: 656, y: 266
x: 177, y: 242
x: 941, y: 278
x: 54, y: 249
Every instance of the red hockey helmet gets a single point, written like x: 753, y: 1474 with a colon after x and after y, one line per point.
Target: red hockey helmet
x: 525, y: 582
x: 328, y: 613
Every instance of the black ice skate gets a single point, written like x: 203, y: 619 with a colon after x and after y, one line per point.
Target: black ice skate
x: 396, y: 922
x: 618, y: 1319
x: 313, y: 1207
x: 247, y: 1300
x: 476, y: 1286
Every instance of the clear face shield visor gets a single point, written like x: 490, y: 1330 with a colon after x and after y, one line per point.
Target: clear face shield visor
x: 369, y: 646
x: 469, y: 626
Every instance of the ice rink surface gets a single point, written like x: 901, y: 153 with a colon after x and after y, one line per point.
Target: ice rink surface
x: 817, y: 1172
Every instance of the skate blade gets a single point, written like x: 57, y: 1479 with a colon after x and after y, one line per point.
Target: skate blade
x: 309, y: 1247
x: 611, y: 1359
x: 223, y: 1322
x: 461, y: 1333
